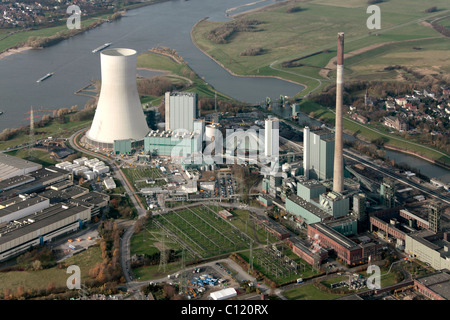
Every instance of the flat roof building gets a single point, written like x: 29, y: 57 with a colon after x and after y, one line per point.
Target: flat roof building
x: 173, y: 144
x: 346, y: 249
x: 39, y: 227
x: 435, y: 286
x: 305, y: 211
x: 11, y: 166
x: 21, y: 206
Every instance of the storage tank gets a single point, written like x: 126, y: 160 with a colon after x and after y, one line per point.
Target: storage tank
x: 119, y: 113
x: 212, y: 138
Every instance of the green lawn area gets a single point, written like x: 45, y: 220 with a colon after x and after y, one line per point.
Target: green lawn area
x: 41, y: 278
x: 137, y: 176
x: 53, y: 129
x: 309, y: 292
x: 177, y: 71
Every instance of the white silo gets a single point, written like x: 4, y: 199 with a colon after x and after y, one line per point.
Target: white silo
x: 306, y: 152
x: 119, y: 113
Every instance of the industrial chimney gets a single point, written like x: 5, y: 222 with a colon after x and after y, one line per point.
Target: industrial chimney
x: 119, y: 113
x: 306, y: 152
x: 338, y: 174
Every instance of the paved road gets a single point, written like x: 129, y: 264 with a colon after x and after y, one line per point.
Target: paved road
x: 128, y: 232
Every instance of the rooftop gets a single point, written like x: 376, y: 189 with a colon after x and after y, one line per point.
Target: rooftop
x: 438, y: 282
x: 18, y: 203
x: 309, y: 206
x: 38, y: 220
x: 334, y: 235
x: 10, y: 163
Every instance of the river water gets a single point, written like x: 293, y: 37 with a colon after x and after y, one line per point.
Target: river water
x: 165, y: 24
x: 74, y: 65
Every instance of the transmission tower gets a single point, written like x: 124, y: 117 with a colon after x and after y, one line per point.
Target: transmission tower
x: 31, y: 137
x: 163, y: 256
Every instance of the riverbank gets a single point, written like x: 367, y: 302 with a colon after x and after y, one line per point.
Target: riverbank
x: 11, y: 51
x: 59, y: 33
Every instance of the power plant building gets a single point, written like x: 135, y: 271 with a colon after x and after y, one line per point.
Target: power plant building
x: 318, y: 154
x: 272, y: 137
x: 119, y: 114
x: 180, y: 110
x: 174, y: 144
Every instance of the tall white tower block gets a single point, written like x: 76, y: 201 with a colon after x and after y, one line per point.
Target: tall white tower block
x: 119, y: 113
x: 272, y: 137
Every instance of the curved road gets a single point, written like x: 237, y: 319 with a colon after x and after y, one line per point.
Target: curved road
x: 125, y: 239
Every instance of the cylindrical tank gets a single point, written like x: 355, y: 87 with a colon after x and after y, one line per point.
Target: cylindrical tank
x: 119, y: 113
x: 212, y: 138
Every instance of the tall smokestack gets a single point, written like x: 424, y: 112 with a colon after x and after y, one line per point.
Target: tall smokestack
x: 338, y: 175
x: 306, y: 152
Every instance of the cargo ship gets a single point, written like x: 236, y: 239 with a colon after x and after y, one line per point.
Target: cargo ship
x: 106, y: 45
x: 48, y: 75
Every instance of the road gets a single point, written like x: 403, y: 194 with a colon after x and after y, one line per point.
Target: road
x: 128, y: 232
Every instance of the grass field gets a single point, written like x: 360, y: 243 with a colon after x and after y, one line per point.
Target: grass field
x: 40, y: 279
x: 309, y: 292
x: 54, y: 129
x: 178, y: 72
x: 204, y: 231
x: 137, y: 176
x: 285, y: 36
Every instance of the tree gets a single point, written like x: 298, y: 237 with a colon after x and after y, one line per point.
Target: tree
x: 37, y: 265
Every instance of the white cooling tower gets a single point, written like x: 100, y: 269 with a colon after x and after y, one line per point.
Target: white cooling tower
x: 119, y: 113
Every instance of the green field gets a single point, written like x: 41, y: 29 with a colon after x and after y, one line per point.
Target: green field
x: 309, y: 292
x: 137, y: 176
x: 40, y: 279
x: 177, y: 72
x: 285, y: 36
x: 204, y: 231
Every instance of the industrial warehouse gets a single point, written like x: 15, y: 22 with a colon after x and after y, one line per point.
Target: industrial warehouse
x: 41, y: 206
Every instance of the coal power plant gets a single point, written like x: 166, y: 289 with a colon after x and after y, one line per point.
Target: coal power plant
x: 119, y: 114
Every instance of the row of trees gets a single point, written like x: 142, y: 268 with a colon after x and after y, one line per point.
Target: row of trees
x: 109, y: 269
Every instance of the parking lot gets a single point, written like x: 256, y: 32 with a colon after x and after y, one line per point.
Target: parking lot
x: 75, y: 243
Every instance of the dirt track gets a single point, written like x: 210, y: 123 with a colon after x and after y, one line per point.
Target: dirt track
x: 331, y: 65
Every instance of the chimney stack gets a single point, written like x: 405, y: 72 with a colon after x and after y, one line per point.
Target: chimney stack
x: 338, y: 174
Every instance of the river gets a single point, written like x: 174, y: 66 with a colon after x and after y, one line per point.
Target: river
x: 74, y: 65
x: 165, y: 24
